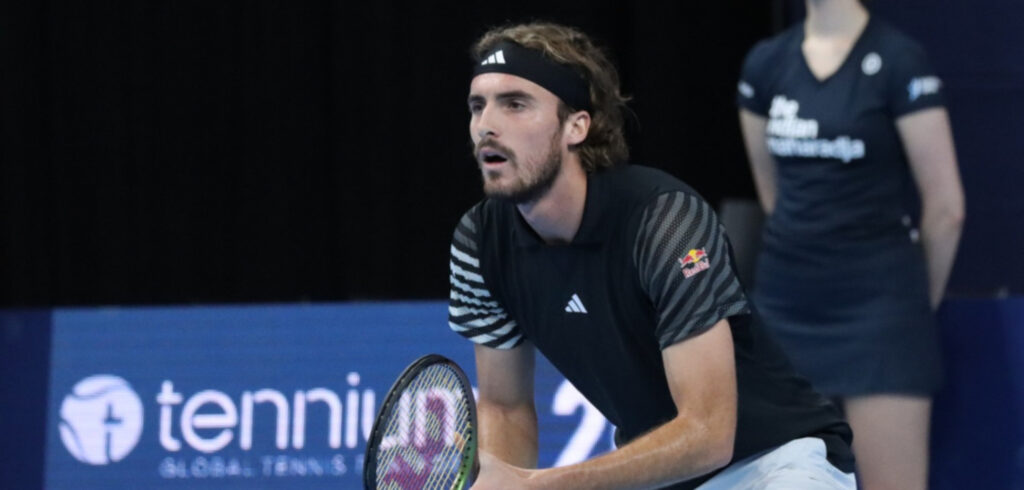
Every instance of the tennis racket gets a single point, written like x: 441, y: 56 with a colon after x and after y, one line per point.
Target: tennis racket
x: 425, y: 435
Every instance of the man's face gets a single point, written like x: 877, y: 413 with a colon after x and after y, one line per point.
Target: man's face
x: 516, y: 134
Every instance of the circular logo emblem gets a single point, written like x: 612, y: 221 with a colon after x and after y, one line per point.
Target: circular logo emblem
x: 871, y: 64
x: 101, y: 420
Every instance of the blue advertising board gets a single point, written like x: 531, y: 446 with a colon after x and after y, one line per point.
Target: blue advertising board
x: 977, y: 438
x: 271, y: 396
x: 283, y: 396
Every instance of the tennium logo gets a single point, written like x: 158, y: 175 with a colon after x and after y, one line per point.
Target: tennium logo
x: 101, y: 420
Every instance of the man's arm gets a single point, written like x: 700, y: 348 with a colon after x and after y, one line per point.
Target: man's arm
x: 701, y: 375
x: 505, y: 410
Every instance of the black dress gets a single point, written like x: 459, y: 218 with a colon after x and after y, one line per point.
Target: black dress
x: 841, y: 279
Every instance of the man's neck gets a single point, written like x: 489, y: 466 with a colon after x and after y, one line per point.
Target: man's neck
x: 835, y: 18
x: 556, y: 216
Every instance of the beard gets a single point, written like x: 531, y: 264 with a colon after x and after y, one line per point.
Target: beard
x: 529, y: 184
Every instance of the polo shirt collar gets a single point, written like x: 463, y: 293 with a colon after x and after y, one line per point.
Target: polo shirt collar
x: 593, y: 227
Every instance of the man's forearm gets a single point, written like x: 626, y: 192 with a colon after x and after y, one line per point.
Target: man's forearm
x: 679, y: 450
x: 510, y: 433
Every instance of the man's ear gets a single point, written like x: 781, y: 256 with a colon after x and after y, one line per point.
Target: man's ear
x: 577, y: 126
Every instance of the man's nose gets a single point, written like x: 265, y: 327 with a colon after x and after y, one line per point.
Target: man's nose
x: 486, y: 124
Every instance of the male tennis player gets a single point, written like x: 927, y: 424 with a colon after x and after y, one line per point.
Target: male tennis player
x: 622, y: 276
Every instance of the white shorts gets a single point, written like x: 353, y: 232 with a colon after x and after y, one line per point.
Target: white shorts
x: 799, y: 464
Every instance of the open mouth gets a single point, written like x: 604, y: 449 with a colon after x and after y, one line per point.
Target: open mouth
x: 492, y: 156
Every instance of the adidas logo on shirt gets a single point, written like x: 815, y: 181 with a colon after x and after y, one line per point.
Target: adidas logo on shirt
x: 575, y: 305
x: 496, y: 58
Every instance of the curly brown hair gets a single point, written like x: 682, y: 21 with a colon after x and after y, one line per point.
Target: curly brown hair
x: 605, y: 144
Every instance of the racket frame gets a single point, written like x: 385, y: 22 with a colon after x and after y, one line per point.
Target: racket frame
x: 393, y: 397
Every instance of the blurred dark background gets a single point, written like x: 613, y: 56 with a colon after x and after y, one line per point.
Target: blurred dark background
x: 208, y: 152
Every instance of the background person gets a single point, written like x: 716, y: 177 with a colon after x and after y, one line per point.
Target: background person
x: 842, y: 116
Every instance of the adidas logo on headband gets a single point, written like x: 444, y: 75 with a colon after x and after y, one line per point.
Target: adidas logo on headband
x: 498, y: 57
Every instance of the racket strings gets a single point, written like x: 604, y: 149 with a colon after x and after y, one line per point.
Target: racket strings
x: 427, y: 432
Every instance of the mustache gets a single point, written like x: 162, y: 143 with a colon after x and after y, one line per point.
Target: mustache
x: 490, y: 143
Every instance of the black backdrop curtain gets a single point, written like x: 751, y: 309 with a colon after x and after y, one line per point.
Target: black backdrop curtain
x: 195, y: 151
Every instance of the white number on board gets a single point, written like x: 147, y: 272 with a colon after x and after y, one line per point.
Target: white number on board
x: 584, y: 439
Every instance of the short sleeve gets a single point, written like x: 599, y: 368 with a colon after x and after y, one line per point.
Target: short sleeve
x: 913, y: 84
x: 473, y: 312
x: 751, y: 90
x: 684, y: 263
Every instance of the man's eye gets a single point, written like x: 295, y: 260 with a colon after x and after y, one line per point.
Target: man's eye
x: 475, y: 108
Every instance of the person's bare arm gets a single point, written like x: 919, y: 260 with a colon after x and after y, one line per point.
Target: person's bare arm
x: 928, y: 142
x: 762, y: 165
x: 505, y: 410
x: 701, y: 375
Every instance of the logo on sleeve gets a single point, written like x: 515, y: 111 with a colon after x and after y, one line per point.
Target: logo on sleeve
x: 695, y: 261
x: 745, y: 89
x: 923, y: 86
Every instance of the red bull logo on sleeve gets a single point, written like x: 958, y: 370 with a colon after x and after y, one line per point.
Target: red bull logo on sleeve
x: 695, y: 261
